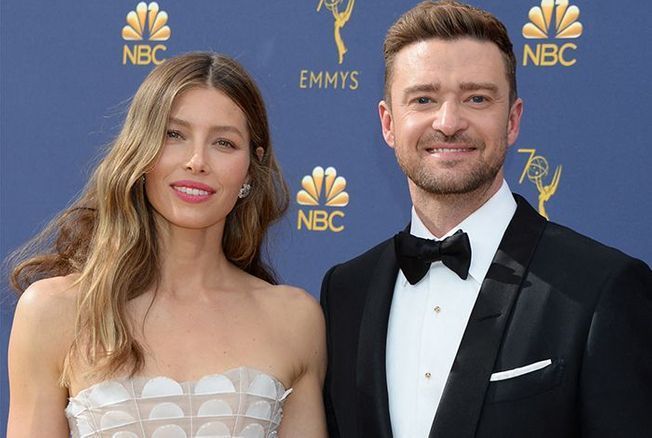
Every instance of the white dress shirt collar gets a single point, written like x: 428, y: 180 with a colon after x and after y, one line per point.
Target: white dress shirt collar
x: 485, y: 228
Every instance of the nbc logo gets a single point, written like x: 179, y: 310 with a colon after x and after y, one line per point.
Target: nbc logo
x: 146, y: 19
x: 326, y: 183
x: 553, y: 19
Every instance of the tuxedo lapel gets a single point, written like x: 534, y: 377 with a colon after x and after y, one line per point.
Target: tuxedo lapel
x: 461, y: 403
x: 371, y: 378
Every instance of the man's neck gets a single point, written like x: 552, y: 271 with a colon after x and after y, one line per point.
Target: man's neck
x: 440, y: 213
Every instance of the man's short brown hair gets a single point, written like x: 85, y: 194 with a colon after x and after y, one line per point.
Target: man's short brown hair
x: 448, y: 20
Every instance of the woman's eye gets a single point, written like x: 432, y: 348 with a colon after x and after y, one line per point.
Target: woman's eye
x: 171, y: 133
x: 225, y: 144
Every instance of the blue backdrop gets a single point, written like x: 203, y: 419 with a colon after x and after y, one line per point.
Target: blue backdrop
x: 67, y: 73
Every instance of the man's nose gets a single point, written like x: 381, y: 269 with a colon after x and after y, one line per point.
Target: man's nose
x: 449, y: 119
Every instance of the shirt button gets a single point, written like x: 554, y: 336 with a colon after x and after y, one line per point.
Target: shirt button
x: 437, y: 309
x: 428, y: 375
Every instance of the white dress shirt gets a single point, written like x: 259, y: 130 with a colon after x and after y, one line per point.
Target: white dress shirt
x: 427, y: 320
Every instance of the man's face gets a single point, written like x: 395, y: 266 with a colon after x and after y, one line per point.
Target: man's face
x: 450, y: 121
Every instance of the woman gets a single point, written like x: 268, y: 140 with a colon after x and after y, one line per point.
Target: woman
x: 153, y: 313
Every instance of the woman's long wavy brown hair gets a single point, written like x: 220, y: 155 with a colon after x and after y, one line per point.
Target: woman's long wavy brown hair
x: 108, y: 235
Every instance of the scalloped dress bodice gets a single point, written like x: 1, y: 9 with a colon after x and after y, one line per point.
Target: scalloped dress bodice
x: 242, y: 402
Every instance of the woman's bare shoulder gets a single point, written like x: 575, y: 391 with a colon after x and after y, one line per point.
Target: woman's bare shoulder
x: 292, y: 297
x: 40, y: 339
x: 50, y: 295
x: 299, y: 310
x: 49, y: 305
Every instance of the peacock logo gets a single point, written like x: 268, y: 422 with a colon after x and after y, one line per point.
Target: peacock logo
x: 148, y: 17
x: 553, y: 19
x: 322, y: 185
x: 148, y: 22
x: 565, y: 21
x: 332, y: 184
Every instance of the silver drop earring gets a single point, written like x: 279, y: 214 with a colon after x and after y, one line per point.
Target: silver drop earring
x: 244, y: 190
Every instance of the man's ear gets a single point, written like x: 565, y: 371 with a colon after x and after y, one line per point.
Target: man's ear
x: 514, y: 121
x: 386, y: 122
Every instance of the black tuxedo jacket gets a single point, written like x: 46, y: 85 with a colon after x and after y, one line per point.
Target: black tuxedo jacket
x: 550, y: 293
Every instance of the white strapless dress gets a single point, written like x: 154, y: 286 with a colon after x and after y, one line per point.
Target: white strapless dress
x: 242, y: 402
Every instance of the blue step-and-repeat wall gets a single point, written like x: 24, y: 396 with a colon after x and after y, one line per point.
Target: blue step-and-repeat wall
x: 69, y: 68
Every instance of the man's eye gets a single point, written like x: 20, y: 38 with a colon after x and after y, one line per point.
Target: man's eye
x: 171, y: 133
x: 424, y: 100
x: 478, y: 99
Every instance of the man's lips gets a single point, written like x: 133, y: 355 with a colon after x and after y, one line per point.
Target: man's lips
x: 449, y: 149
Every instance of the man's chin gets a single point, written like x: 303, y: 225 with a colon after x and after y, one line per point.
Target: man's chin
x: 458, y: 185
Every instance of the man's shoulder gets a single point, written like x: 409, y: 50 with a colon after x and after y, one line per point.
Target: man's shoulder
x: 569, y: 243
x: 362, y: 261
x: 346, y: 285
x: 565, y: 245
x: 351, y: 279
x: 581, y: 260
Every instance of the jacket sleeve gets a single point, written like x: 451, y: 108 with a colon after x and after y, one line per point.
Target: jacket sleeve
x: 331, y: 422
x: 616, y: 375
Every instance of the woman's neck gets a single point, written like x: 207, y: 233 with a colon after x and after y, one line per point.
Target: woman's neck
x: 192, y: 260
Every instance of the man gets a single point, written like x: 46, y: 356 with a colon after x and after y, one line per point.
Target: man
x: 543, y: 332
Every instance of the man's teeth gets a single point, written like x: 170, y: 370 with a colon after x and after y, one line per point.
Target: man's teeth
x: 191, y: 192
x: 448, y: 150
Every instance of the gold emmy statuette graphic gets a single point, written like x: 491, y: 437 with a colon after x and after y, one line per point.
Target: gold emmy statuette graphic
x: 340, y: 19
x: 536, y: 168
x: 333, y: 188
x: 150, y: 18
x: 541, y: 19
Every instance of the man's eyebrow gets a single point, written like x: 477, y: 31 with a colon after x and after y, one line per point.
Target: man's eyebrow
x: 474, y: 86
x: 421, y: 88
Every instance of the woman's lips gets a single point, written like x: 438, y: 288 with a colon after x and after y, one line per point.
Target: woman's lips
x: 192, y: 191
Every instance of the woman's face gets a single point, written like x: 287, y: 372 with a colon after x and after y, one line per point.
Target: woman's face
x: 204, y: 161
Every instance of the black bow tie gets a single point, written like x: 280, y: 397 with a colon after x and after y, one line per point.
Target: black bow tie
x: 415, y: 254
